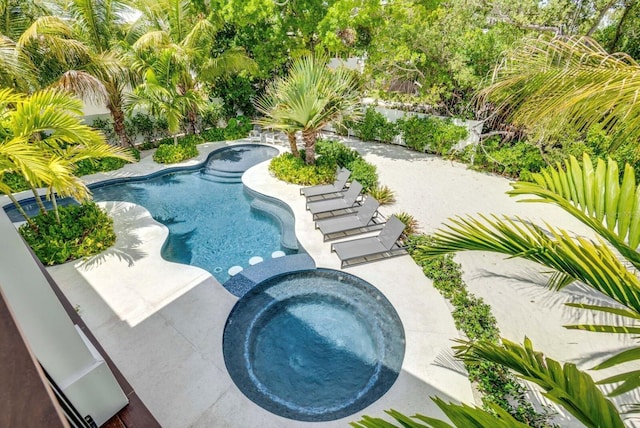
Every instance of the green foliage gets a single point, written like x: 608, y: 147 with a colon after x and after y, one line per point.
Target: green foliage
x: 383, y: 194
x: 106, y: 127
x: 336, y: 152
x: 431, y: 133
x: 237, y: 127
x: 374, y: 127
x: 213, y: 134
x: 411, y: 226
x: 331, y: 155
x: 364, y: 172
x: 84, y: 230
x: 517, y: 160
x: 292, y: 169
x: 91, y: 166
x: 168, y: 152
x: 236, y: 93
x: 473, y: 317
x: 15, y: 181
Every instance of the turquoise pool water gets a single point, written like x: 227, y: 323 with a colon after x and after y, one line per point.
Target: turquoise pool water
x: 208, y: 213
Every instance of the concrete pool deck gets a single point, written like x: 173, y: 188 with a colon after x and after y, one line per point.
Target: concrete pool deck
x: 162, y: 322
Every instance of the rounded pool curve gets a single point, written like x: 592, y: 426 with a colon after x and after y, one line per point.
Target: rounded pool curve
x: 314, y: 345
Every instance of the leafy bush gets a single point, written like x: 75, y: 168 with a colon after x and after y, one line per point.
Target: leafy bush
x: 473, y: 317
x: 106, y: 127
x: 336, y: 152
x: 91, y: 166
x: 15, y: 181
x: 292, y: 169
x: 174, y: 153
x: 143, y: 125
x: 84, y: 230
x: 371, y: 125
x: 237, y: 127
x: 364, y: 172
x: 383, y: 194
x: 213, y: 134
x: 431, y: 133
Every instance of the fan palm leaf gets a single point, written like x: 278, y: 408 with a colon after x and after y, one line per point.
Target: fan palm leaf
x: 559, y: 82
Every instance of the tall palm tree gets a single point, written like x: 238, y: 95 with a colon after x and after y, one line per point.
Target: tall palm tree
x: 308, y: 98
x: 162, y: 95
x: 42, y: 137
x: 178, y: 27
x: 547, y: 84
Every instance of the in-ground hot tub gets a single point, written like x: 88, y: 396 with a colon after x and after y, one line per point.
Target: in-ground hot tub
x: 316, y: 345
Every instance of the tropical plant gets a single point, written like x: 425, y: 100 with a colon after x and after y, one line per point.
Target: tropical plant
x: 383, y: 194
x: 307, y: 99
x: 179, y: 30
x: 42, y: 138
x: 610, y: 206
x: 411, y: 225
x: 545, y: 85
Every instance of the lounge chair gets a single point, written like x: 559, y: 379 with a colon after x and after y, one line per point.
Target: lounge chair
x: 324, y: 189
x: 344, y: 204
x: 359, y: 222
x: 372, y: 248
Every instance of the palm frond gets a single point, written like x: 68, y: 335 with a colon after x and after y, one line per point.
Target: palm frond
x: 83, y: 85
x: 558, y: 82
x: 595, y: 196
x: 592, y: 263
x: 565, y: 385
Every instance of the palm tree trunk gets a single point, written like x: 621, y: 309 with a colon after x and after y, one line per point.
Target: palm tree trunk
x: 55, y: 206
x: 115, y: 108
x: 192, y: 118
x: 41, y: 207
x: 309, y: 138
x: 22, y: 212
x: 293, y: 143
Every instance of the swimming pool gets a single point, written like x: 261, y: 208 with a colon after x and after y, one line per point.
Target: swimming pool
x: 209, y: 215
x: 316, y: 345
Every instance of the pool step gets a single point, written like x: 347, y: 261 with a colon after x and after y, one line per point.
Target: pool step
x: 218, y: 176
x: 283, y: 216
x: 244, y: 281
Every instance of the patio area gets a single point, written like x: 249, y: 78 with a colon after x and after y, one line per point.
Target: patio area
x: 162, y: 323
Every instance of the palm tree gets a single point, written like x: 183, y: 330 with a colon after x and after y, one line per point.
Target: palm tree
x: 547, y: 84
x: 42, y: 137
x: 268, y: 106
x: 308, y: 98
x: 176, y: 26
x: 610, y: 206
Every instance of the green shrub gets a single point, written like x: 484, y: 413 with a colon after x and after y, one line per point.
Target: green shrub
x: 368, y: 128
x: 106, y: 127
x: 91, y: 166
x: 431, y: 133
x: 364, y: 172
x: 237, y: 127
x: 335, y: 152
x: 473, y: 317
x: 213, y: 134
x: 143, y: 125
x: 15, y: 181
x: 292, y: 169
x: 174, y: 153
x: 383, y: 194
x: 84, y: 230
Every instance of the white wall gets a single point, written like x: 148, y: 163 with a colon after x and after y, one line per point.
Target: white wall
x: 70, y: 360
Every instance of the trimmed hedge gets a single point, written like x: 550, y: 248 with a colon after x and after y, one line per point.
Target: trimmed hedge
x: 84, y: 230
x: 474, y: 318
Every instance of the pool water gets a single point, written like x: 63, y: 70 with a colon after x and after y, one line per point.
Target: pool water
x: 208, y: 213
x: 314, y: 345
